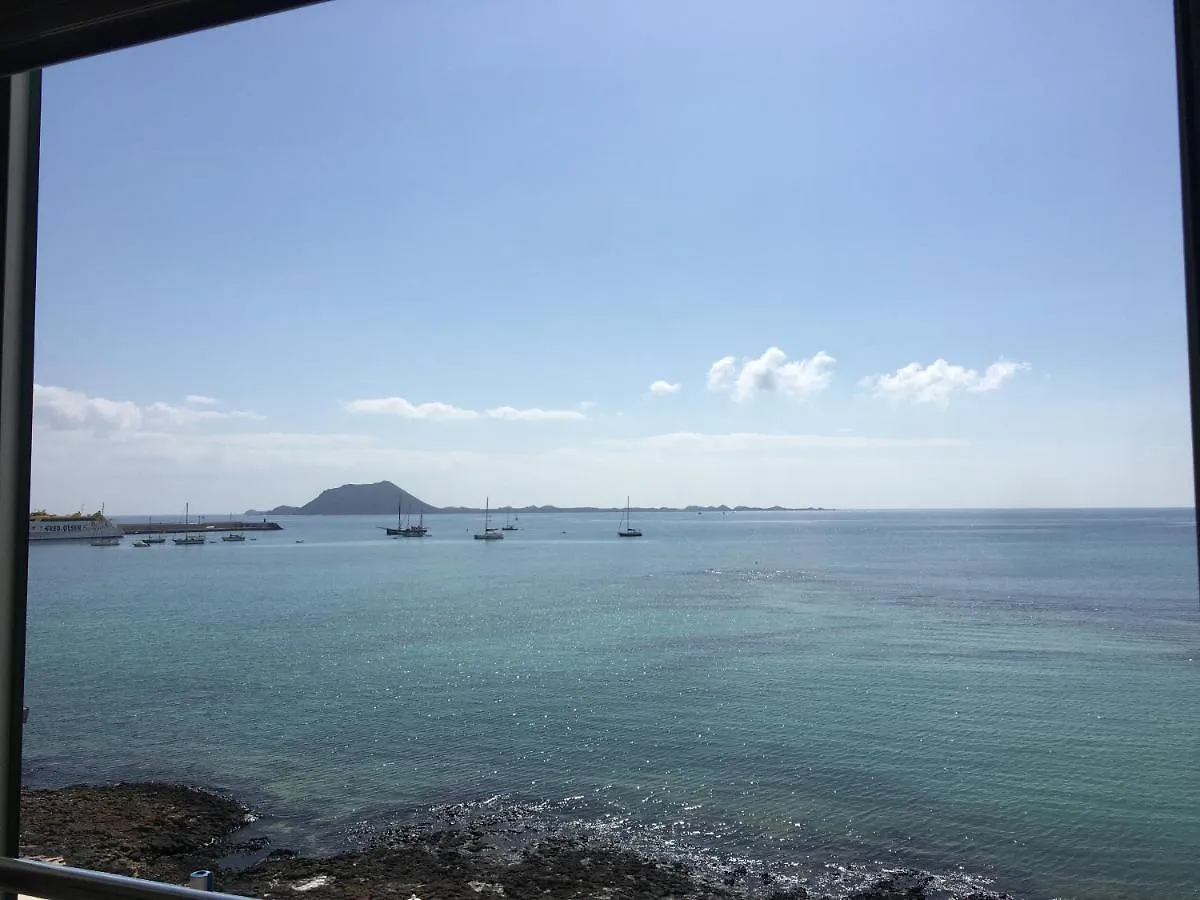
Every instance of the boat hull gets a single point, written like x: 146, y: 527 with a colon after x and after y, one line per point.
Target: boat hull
x: 60, y: 528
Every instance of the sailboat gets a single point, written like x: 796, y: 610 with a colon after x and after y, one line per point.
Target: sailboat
x: 406, y: 528
x: 489, y: 533
x: 625, y: 528
x: 189, y: 539
x: 418, y: 530
x: 233, y: 536
x: 399, y: 529
x: 508, y: 525
x: 152, y: 538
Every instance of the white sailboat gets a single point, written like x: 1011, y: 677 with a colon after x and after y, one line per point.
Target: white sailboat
x: 489, y: 533
x: 625, y: 528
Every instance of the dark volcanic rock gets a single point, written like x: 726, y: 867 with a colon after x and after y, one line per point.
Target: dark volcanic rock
x: 381, y: 498
x: 905, y: 885
x: 454, y: 865
x: 157, y: 831
x: 163, y: 832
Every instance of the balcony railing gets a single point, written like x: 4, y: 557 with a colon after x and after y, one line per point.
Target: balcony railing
x: 52, y: 882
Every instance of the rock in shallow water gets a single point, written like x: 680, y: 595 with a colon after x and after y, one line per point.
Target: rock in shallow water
x: 163, y: 832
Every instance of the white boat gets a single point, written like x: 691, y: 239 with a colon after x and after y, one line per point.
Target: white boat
x: 625, y: 528
x: 46, y: 527
x: 489, y: 533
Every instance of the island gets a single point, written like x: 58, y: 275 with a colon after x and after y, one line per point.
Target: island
x: 385, y: 498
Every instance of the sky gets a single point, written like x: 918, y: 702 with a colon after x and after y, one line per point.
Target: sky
x: 863, y: 254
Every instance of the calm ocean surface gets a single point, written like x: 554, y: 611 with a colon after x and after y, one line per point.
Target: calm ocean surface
x: 1010, y: 694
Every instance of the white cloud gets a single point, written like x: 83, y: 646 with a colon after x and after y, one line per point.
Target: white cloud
x: 61, y: 407
x: 444, y: 412
x: 201, y: 400
x: 772, y: 372
x: 398, y: 406
x: 751, y: 442
x: 511, y: 414
x: 662, y: 388
x: 938, y: 381
x: 131, y: 466
x: 720, y: 373
x: 186, y: 415
x: 66, y: 408
x: 996, y: 374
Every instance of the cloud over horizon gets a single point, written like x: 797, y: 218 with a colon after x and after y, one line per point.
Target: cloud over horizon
x: 663, y: 388
x: 937, y: 382
x: 64, y: 408
x: 772, y: 372
x: 748, y: 442
x: 435, y: 411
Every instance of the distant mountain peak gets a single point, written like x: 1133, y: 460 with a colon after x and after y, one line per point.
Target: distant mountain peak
x: 380, y: 498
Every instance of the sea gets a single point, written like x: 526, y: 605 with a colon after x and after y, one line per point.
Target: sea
x: 1007, y: 699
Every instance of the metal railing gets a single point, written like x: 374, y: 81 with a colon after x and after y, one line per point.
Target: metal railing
x: 53, y: 882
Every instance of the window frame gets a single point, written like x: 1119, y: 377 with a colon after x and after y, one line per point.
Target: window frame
x: 41, y: 34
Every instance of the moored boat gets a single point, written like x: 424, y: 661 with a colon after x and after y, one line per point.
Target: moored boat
x: 189, y: 539
x: 44, y: 526
x: 625, y: 528
x: 489, y: 533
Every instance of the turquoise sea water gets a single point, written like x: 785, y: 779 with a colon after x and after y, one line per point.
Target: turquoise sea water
x: 1010, y: 694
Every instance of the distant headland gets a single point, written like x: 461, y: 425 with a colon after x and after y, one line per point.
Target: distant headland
x: 384, y: 498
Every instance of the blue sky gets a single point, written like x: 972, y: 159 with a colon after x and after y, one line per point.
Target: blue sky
x: 453, y: 246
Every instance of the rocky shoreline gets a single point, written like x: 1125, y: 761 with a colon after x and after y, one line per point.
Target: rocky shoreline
x: 163, y: 832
